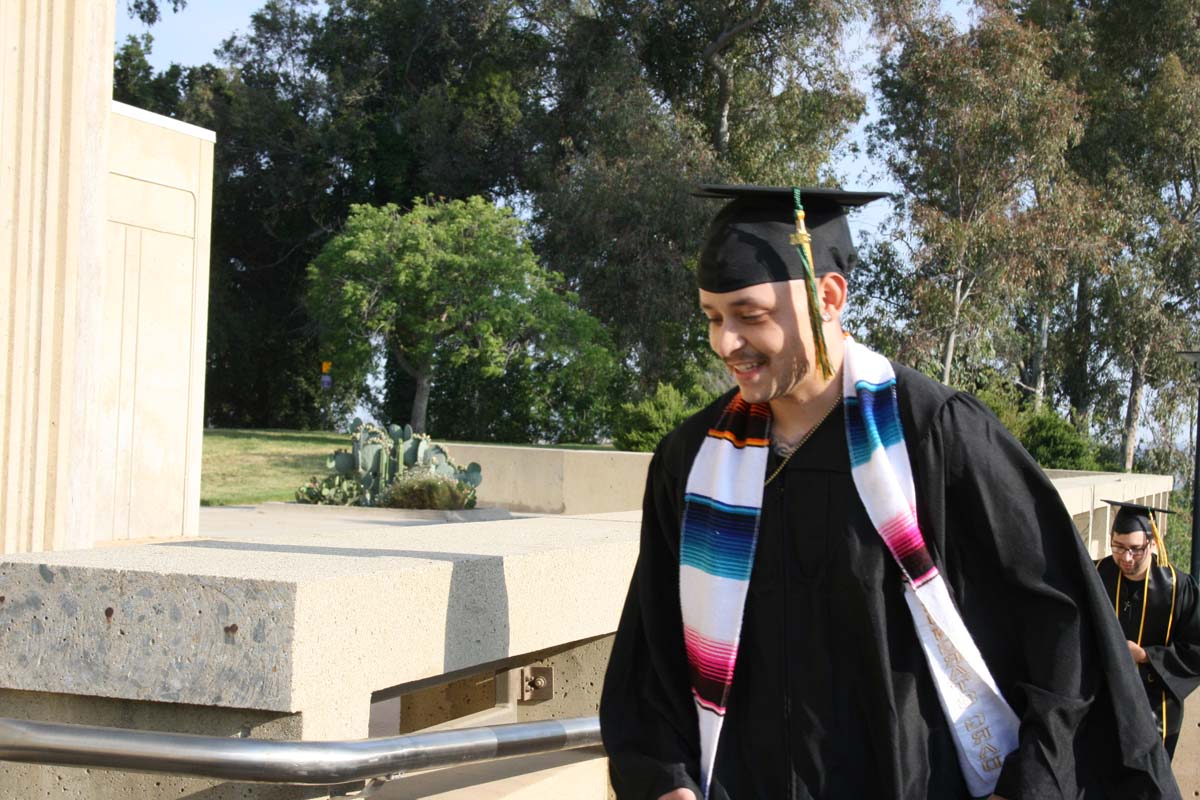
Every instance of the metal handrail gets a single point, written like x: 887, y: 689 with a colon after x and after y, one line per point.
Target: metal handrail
x: 265, y: 761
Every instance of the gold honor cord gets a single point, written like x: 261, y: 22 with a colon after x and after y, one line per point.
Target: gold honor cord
x: 1142, y: 626
x: 1145, y: 597
x: 1171, y: 618
x: 802, y: 239
x: 1164, y: 715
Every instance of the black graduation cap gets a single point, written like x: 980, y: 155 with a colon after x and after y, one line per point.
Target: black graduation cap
x: 1133, y: 517
x: 750, y: 240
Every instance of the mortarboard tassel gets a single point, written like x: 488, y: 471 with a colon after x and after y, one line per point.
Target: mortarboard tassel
x: 1163, y: 561
x: 803, y: 241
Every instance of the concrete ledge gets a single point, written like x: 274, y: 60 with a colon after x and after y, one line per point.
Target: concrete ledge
x: 308, y: 622
x: 1187, y: 752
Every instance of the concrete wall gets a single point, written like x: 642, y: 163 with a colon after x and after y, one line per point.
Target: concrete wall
x: 104, y: 228
x: 36, y: 782
x: 560, y: 481
x: 155, y: 324
x: 556, y: 481
x: 55, y: 91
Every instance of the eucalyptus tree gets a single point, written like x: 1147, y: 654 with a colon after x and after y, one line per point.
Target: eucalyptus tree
x: 974, y: 129
x: 1141, y: 150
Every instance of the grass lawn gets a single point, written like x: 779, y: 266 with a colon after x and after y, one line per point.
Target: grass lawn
x: 243, y: 467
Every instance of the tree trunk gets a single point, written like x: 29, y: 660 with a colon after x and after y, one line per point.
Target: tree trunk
x: 1133, y: 412
x: 952, y: 336
x: 712, y: 55
x: 724, y: 99
x: 1192, y: 443
x: 1077, y: 367
x: 1039, y: 362
x: 948, y: 355
x: 421, y: 401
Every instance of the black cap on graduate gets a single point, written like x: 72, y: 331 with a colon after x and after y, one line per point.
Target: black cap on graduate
x: 1134, y: 517
x: 765, y: 234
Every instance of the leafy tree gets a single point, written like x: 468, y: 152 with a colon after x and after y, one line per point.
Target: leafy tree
x: 973, y: 128
x: 614, y: 210
x: 149, y: 11
x: 136, y: 83
x: 1134, y: 64
x: 448, y: 283
x: 430, y: 96
x: 643, y: 424
x: 643, y: 101
x: 316, y: 108
x: 1056, y: 444
x: 762, y: 78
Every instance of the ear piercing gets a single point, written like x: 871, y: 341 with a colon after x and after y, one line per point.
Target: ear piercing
x: 826, y: 316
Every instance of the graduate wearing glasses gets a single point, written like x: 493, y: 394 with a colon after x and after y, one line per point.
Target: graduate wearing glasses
x: 1158, y: 608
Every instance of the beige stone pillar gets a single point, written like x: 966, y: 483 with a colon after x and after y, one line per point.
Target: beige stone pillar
x: 55, y: 93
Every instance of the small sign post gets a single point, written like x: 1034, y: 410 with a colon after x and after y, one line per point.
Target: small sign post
x: 326, y: 387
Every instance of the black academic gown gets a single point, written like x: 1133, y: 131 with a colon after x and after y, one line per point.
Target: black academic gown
x: 831, y: 696
x: 1162, y: 614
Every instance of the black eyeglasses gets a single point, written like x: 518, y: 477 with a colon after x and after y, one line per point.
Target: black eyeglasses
x: 1119, y: 550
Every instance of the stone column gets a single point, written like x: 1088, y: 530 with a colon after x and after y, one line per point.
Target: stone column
x: 55, y: 93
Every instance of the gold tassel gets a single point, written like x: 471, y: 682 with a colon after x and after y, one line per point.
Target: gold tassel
x: 1163, y: 561
x: 802, y: 239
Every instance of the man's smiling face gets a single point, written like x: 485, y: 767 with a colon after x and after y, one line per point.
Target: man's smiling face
x: 762, y: 334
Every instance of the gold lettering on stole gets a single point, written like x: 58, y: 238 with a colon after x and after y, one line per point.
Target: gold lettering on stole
x: 989, y: 756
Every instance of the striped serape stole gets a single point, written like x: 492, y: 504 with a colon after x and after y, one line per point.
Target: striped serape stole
x: 722, y: 506
x: 984, y: 726
x: 879, y: 464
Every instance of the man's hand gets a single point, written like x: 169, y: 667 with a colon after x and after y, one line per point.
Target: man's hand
x: 679, y: 794
x: 1139, y: 655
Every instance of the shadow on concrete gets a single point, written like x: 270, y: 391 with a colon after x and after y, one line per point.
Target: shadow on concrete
x: 256, y: 791
x: 399, y: 523
x: 477, y: 623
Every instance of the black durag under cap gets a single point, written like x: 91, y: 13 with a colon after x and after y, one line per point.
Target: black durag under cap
x: 749, y: 241
x: 1132, y: 517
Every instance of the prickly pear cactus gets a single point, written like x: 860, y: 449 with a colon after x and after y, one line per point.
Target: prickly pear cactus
x: 377, y: 456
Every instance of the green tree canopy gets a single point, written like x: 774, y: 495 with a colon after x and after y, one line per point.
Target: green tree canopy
x: 447, y: 285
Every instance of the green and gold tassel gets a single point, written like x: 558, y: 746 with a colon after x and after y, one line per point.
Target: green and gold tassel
x: 803, y: 241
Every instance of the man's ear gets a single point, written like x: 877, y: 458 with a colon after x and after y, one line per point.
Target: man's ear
x: 831, y: 291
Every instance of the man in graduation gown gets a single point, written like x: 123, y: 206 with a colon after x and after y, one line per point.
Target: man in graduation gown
x: 1158, y: 608
x: 831, y: 694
